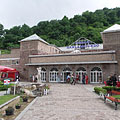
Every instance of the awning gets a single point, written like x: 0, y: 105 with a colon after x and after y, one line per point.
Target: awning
x: 7, y: 69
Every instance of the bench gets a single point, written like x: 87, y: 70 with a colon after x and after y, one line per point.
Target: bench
x: 113, y: 99
x: 113, y: 92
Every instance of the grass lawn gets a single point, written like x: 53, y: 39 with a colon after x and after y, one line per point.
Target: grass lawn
x: 117, y: 96
x: 6, y: 98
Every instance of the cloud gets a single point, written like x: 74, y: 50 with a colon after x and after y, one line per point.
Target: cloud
x: 18, y: 12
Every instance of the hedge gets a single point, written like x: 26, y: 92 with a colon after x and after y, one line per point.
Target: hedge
x: 4, y: 87
x: 99, y: 89
x: 110, y: 88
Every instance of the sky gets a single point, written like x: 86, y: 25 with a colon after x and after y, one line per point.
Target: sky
x: 31, y: 12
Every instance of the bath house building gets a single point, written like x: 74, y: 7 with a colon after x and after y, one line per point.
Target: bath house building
x: 98, y: 61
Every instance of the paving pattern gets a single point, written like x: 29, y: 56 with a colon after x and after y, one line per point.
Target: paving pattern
x: 71, y: 102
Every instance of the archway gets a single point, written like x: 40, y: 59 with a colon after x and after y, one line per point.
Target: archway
x: 80, y: 71
x: 65, y: 72
x: 53, y: 75
x: 96, y: 75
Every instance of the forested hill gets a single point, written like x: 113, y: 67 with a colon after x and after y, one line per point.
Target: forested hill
x: 63, y: 32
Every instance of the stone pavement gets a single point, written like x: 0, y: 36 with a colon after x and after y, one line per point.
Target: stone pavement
x: 2, y: 93
x: 71, y: 102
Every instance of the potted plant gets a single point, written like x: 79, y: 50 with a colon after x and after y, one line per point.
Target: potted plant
x: 17, y: 106
x: 9, y: 111
x: 25, y: 98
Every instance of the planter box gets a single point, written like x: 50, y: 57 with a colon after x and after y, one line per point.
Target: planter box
x: 11, y: 102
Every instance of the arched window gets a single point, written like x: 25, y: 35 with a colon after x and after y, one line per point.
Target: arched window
x: 96, y: 75
x: 53, y: 75
x: 96, y: 69
x: 80, y: 71
x: 67, y: 69
x: 43, y: 75
x: 54, y: 69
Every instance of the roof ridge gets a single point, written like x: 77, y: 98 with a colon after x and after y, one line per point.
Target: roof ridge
x: 113, y: 28
x: 34, y: 37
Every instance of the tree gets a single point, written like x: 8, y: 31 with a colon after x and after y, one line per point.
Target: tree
x: 1, y: 30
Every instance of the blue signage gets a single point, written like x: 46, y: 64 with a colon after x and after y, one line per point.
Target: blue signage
x: 83, y: 44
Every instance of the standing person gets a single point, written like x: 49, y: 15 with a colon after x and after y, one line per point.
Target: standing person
x: 86, y: 78
x: 68, y: 78
x: 114, y: 79
x: 83, y: 78
x: 72, y: 79
x: 77, y: 78
x: 17, y: 78
x: 109, y: 81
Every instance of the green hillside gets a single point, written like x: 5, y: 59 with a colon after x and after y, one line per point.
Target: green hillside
x: 63, y: 32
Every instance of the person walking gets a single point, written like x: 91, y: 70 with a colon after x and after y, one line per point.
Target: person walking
x: 83, y: 78
x: 72, y: 79
x: 114, y: 80
x: 68, y: 78
x: 86, y: 78
x: 77, y: 78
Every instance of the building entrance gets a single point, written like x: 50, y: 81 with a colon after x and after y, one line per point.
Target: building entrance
x: 96, y: 75
x: 53, y: 75
x: 67, y: 71
x: 80, y: 73
x: 65, y: 74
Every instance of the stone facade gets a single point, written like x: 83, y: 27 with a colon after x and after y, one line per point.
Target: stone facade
x: 81, y: 57
x: 35, y: 52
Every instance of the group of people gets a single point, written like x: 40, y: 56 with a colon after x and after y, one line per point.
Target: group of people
x: 72, y: 79
x: 112, y: 80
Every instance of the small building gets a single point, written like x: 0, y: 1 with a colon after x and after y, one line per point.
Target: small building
x: 98, y: 61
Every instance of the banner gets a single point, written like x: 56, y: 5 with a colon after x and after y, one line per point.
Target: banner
x: 6, y: 81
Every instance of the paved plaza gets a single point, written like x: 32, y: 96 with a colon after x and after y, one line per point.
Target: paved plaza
x: 71, y: 102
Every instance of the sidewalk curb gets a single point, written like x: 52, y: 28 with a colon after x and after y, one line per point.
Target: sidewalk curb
x: 25, y: 110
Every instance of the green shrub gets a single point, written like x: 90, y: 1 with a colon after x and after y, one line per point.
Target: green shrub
x: 99, y: 89
x: 9, y: 111
x: 47, y: 87
x: 1, y: 83
x: 24, y: 98
x: 109, y: 88
x: 104, y: 91
x: 4, y: 87
x: 117, y: 88
x: 17, y: 106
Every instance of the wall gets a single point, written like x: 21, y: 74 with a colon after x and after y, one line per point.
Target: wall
x: 111, y: 41
x: 74, y: 58
x: 107, y: 69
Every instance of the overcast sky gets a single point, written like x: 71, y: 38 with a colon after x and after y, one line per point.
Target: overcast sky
x: 30, y: 12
